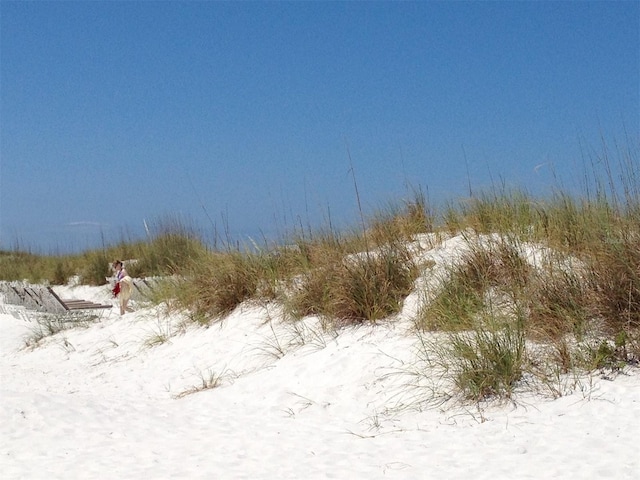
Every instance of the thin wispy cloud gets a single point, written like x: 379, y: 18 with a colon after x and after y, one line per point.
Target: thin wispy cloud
x: 82, y: 224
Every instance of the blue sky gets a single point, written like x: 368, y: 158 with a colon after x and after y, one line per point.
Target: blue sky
x: 249, y: 115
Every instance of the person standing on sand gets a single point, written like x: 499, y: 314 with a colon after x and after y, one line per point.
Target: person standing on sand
x: 123, y: 287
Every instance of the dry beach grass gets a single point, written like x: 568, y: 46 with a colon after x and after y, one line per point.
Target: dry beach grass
x: 562, y: 274
x: 500, y: 300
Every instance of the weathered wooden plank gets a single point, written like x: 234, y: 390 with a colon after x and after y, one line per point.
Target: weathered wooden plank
x: 73, y: 304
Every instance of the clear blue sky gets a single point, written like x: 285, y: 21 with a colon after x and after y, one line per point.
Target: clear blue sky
x: 243, y: 114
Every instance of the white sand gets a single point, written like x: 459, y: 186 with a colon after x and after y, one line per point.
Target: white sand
x: 102, y: 402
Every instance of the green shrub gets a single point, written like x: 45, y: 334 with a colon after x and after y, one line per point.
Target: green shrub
x: 557, y: 305
x: 371, y: 287
x: 487, y: 361
x: 215, y: 285
x: 96, y: 268
x: 488, y: 267
x: 401, y: 224
x: 614, y: 281
x: 363, y: 287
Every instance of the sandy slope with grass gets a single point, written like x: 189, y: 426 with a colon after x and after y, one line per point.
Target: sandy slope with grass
x: 151, y: 396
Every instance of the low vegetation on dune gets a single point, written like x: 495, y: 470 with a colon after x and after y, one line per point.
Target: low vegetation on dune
x: 536, y: 288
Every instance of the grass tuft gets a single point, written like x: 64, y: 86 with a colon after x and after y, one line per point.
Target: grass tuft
x: 488, y: 361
